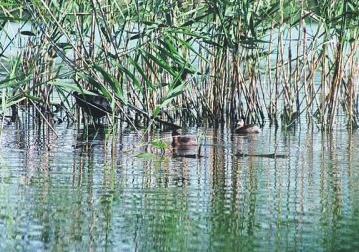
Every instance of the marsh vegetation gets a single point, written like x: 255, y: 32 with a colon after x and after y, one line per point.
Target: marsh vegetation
x: 183, y: 62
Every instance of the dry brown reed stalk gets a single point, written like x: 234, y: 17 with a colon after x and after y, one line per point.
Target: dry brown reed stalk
x: 331, y: 101
x: 351, y: 90
x: 272, y: 107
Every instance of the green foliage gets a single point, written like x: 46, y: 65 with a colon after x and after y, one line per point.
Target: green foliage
x: 159, y: 144
x: 155, y: 56
x: 147, y: 156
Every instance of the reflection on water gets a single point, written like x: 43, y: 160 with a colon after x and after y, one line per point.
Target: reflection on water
x: 87, y: 191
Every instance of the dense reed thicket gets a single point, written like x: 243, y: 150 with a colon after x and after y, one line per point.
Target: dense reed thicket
x: 164, y: 62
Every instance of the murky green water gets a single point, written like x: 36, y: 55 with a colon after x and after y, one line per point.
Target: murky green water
x: 68, y: 193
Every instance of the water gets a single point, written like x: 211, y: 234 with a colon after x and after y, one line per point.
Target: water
x: 93, y: 193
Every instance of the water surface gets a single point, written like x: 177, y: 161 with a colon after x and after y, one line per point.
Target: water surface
x: 81, y: 192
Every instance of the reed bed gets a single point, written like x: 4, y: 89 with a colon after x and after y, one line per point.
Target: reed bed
x: 168, y: 63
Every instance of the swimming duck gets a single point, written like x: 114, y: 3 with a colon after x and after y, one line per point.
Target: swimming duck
x: 95, y: 105
x: 246, y: 129
x: 183, y: 142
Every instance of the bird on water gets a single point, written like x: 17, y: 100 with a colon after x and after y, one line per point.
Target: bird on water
x: 183, y: 142
x: 246, y: 128
x: 95, y: 105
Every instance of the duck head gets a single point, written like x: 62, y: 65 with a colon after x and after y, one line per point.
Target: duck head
x: 240, y: 123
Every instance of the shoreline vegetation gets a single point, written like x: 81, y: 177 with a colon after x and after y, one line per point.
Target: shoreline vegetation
x: 164, y: 63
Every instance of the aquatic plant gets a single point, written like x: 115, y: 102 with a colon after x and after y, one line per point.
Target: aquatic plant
x: 166, y: 63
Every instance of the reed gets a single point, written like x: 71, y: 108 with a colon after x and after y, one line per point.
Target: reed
x: 168, y: 63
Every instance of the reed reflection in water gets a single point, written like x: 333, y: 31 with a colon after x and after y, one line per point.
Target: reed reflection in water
x: 84, y: 191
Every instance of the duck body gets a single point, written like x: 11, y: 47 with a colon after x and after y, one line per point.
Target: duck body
x: 183, y: 142
x: 95, y: 105
x: 246, y: 129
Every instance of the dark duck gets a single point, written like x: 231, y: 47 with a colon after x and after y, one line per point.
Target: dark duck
x: 95, y: 105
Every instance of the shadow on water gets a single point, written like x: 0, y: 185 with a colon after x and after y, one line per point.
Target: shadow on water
x: 87, y: 189
x: 88, y: 138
